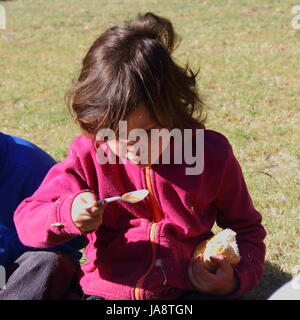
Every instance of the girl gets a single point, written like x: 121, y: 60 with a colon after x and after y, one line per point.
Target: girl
x: 143, y: 250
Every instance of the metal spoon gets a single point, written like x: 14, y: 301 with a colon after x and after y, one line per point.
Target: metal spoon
x: 132, y: 197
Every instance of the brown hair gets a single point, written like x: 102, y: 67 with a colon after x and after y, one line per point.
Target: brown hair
x: 129, y: 65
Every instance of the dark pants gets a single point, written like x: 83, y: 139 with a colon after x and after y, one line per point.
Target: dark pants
x: 42, y: 275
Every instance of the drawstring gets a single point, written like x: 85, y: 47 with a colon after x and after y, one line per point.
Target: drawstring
x: 158, y: 263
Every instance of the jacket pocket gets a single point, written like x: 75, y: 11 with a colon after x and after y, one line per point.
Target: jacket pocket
x: 170, y: 271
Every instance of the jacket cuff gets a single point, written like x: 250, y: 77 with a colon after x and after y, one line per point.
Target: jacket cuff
x: 241, y: 287
x: 65, y: 215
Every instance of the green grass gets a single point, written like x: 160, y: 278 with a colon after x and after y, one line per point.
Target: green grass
x: 250, y: 78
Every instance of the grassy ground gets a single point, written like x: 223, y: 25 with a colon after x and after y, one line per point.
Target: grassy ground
x: 250, y: 78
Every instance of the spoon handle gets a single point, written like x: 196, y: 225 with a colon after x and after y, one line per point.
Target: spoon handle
x: 108, y: 200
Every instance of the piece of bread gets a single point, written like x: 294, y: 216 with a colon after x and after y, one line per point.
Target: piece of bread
x: 223, y: 243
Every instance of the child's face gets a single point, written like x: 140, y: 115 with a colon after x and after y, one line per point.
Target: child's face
x: 138, y: 119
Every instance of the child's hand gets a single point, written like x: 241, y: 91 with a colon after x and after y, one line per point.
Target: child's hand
x: 222, y: 282
x: 87, y: 214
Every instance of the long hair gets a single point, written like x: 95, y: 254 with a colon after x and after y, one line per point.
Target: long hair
x: 129, y: 65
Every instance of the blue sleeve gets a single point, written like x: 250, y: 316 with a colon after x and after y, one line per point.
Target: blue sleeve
x: 10, y: 246
x: 23, y: 167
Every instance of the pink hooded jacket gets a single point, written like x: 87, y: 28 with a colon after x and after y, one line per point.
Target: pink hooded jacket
x: 143, y: 250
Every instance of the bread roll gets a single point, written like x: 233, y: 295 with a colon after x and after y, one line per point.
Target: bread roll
x: 223, y: 243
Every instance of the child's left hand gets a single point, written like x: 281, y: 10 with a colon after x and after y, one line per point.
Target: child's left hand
x: 222, y: 282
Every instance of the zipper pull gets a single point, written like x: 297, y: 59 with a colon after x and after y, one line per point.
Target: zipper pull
x: 57, y: 224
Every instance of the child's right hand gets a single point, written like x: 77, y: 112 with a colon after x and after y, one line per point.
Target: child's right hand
x: 87, y: 214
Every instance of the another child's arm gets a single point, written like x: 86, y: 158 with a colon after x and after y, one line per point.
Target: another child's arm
x: 236, y: 211
x: 60, y: 209
x: 10, y: 246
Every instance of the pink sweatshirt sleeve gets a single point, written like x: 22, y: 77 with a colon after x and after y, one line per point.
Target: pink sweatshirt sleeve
x: 236, y: 211
x: 50, y: 204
